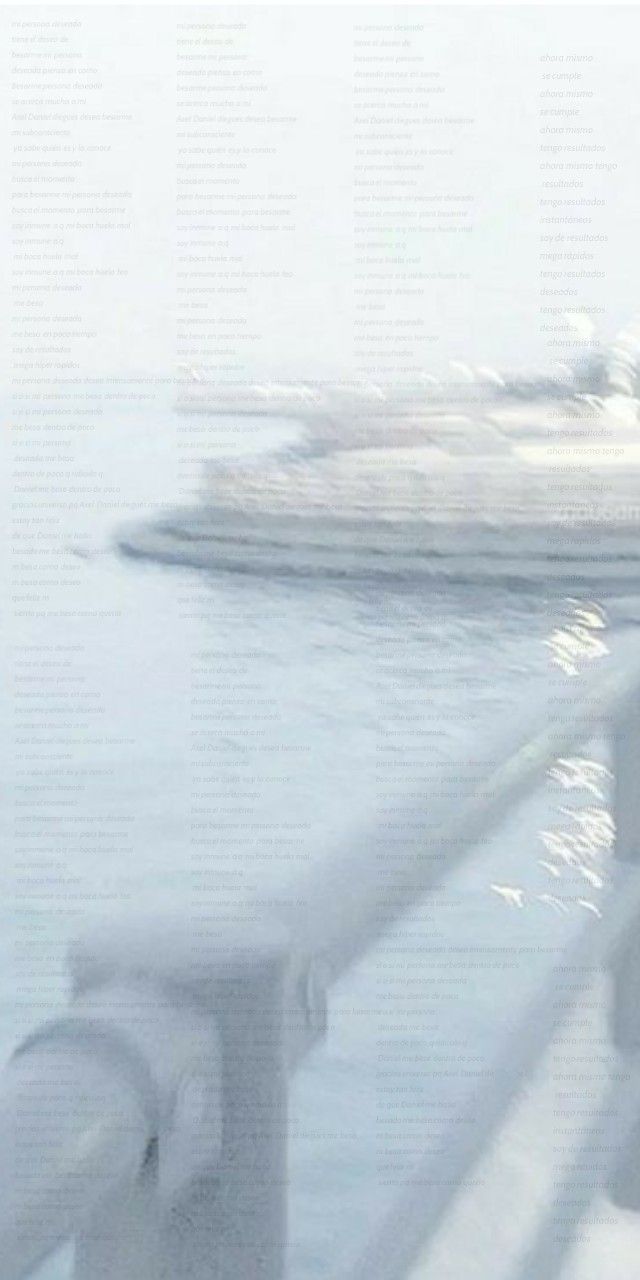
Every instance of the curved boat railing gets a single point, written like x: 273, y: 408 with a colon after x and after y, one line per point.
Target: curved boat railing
x: 149, y: 1124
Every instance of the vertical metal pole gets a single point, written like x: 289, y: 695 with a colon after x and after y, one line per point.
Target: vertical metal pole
x: 121, y: 1239
x: 200, y: 1214
x: 232, y: 1222
x: 625, y: 965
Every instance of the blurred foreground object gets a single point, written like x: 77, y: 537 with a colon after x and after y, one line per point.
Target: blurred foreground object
x: 150, y: 1123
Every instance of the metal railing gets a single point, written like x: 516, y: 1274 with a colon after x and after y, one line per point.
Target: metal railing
x: 149, y: 1125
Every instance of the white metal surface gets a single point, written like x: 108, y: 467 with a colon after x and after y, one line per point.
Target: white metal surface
x: 71, y: 1131
x: 211, y: 1200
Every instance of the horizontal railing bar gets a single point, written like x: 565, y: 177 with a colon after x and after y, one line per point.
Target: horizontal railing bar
x: 343, y: 904
x: 589, y: 1172
x: 419, y: 1208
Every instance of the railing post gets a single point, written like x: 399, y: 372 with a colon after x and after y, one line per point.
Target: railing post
x: 202, y: 1209
x: 625, y: 965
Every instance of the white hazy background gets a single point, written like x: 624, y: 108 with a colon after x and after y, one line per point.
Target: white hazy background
x: 352, y: 684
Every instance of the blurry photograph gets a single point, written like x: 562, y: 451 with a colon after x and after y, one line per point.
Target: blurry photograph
x: 320, y: 936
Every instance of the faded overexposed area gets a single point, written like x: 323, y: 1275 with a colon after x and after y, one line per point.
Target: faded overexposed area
x: 320, y: 630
